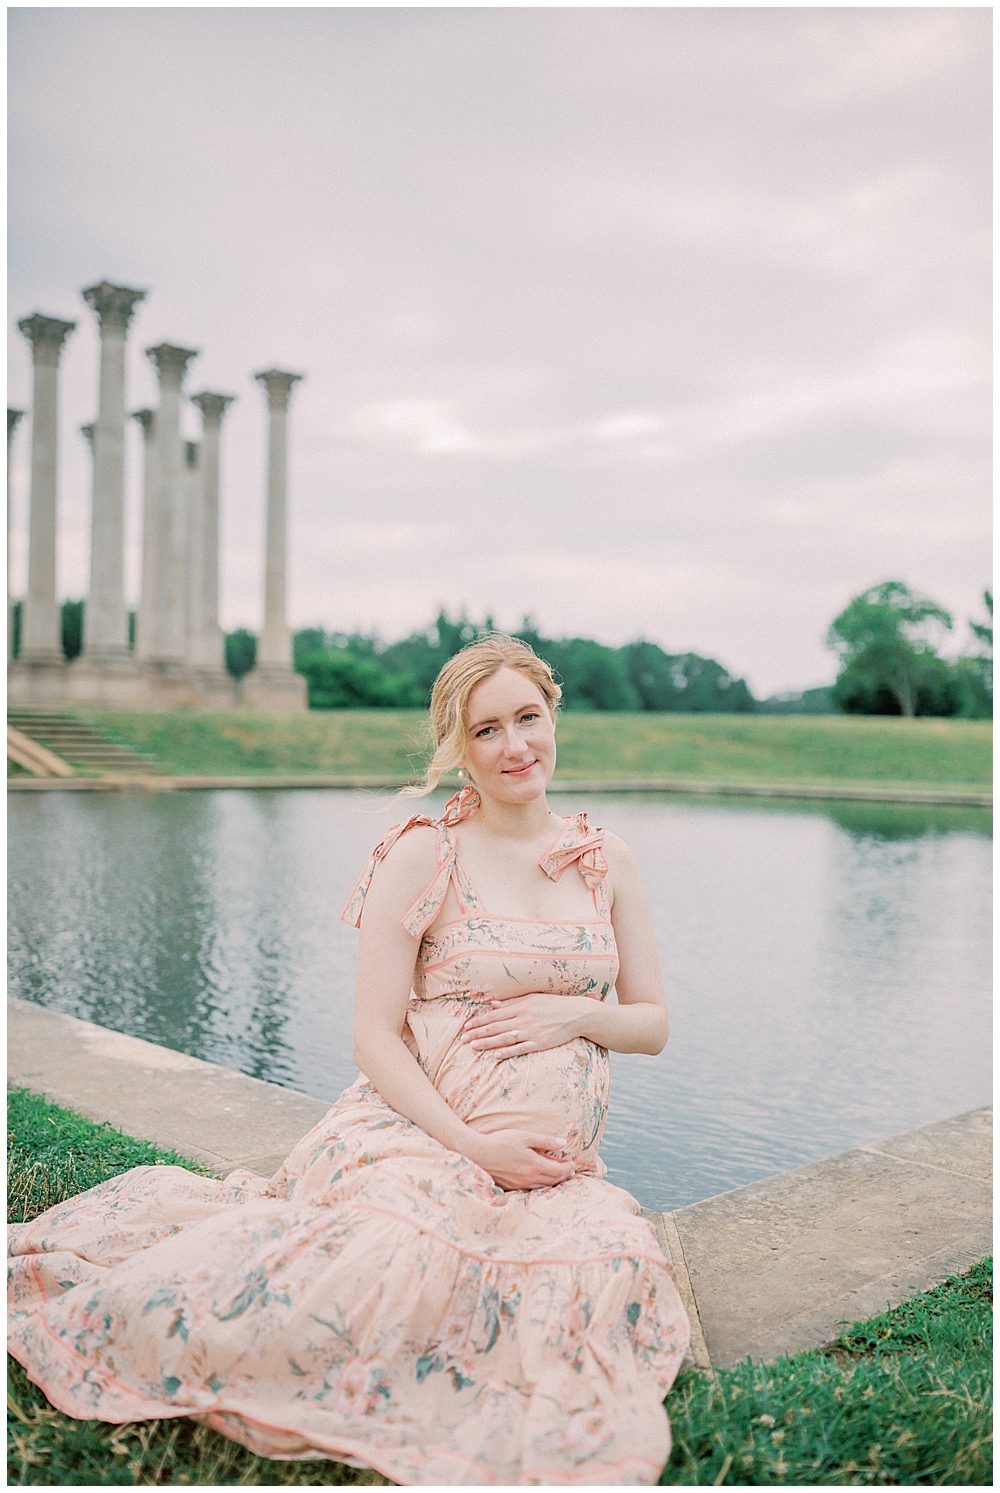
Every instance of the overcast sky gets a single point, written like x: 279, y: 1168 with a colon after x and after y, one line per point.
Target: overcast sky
x: 665, y: 323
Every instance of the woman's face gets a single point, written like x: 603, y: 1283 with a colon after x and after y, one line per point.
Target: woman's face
x: 510, y: 738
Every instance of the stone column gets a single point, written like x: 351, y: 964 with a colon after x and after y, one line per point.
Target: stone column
x: 152, y: 541
x: 207, y: 649
x: 12, y: 418
x: 39, y: 673
x: 168, y: 653
x: 105, y: 622
x: 195, y: 546
x: 273, y: 684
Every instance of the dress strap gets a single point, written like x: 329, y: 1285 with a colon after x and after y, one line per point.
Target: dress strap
x: 583, y: 844
x: 428, y: 904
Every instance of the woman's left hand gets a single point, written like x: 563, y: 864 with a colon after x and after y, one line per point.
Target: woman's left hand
x: 526, y: 1023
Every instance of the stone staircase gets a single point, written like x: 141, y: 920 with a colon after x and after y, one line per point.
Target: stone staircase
x: 78, y: 743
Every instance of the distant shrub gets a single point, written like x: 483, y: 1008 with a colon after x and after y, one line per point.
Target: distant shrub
x: 241, y: 652
x: 342, y: 681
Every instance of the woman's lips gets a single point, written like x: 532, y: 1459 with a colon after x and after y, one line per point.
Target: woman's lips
x: 519, y: 772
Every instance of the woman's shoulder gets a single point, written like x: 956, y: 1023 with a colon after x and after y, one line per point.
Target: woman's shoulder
x: 413, y: 849
x: 623, y: 870
x: 405, y: 860
x: 617, y: 850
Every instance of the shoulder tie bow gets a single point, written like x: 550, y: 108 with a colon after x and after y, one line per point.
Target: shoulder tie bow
x: 578, y: 842
x: 427, y: 905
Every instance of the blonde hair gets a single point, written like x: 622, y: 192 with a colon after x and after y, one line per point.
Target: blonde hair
x: 453, y: 686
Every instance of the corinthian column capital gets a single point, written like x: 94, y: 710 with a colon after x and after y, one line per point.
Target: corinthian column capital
x: 212, y: 406
x: 170, y: 362
x: 46, y: 335
x: 278, y: 386
x: 114, y: 304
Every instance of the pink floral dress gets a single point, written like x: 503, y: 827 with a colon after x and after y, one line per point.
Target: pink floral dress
x: 380, y: 1300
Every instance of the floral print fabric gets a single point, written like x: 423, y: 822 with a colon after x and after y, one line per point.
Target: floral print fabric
x: 380, y: 1300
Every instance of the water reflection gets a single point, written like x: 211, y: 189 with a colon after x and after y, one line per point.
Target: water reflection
x: 827, y: 965
x: 907, y: 821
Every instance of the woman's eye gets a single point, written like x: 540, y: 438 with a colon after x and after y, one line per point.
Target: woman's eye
x: 529, y: 715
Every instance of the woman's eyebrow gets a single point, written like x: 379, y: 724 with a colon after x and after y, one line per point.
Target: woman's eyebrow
x: 494, y: 719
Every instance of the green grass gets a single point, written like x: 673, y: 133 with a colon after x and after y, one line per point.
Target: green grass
x: 816, y: 751
x: 902, y: 1398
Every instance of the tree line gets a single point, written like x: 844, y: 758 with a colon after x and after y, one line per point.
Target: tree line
x: 345, y: 670
x: 887, y: 641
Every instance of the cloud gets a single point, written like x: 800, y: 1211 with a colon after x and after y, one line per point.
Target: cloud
x: 653, y: 320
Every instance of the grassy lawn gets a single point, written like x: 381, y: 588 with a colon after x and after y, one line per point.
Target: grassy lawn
x: 819, y: 751
x: 903, y: 1398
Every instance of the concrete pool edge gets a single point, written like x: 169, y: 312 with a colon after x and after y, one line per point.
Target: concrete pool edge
x: 943, y: 798
x: 765, y: 1269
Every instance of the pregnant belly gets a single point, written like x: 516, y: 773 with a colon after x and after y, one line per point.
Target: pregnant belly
x: 562, y: 1091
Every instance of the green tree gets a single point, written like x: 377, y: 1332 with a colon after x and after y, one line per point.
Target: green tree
x: 974, y: 672
x: 341, y: 681
x: 362, y: 645
x: 652, y: 675
x: 705, y: 685
x: 594, y: 677
x: 421, y: 655
x: 885, y: 640
x: 983, y: 631
x: 241, y: 652
x: 307, y: 642
x: 71, y: 619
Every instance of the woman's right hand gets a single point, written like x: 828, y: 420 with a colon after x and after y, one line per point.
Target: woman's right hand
x: 515, y: 1159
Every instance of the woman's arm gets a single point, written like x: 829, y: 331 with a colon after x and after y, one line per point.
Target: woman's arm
x: 386, y: 958
x: 638, y: 1023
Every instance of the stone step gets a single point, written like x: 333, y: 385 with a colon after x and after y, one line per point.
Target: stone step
x: 79, y: 743
x: 77, y: 738
x: 74, y: 738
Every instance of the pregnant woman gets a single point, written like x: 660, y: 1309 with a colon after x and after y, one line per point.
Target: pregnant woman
x: 438, y: 1282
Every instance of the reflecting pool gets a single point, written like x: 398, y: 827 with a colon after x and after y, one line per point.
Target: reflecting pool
x: 828, y: 966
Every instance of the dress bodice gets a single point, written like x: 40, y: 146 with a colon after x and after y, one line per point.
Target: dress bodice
x: 477, y: 957
x: 480, y: 953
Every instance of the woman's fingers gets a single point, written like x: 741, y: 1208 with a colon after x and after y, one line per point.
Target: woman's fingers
x: 501, y: 1039
x: 510, y: 1050
x: 482, y: 1024
x: 547, y: 1142
x: 496, y: 1010
x: 554, y: 1171
x: 522, y: 1161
